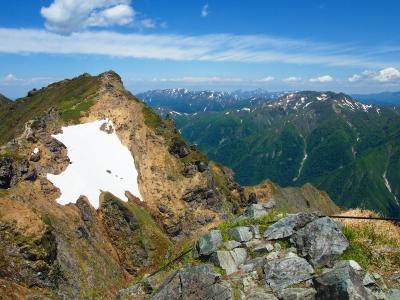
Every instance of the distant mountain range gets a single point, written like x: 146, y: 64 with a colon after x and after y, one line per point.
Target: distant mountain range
x: 187, y: 101
x: 342, y: 146
x: 385, y: 98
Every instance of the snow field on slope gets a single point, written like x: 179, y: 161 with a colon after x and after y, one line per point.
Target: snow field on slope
x: 99, y: 162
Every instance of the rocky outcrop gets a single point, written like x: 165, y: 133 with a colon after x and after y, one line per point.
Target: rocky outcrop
x: 12, y: 171
x: 209, y: 243
x: 281, y: 273
x: 321, y: 241
x: 286, y: 227
x: 196, y: 283
x: 340, y: 283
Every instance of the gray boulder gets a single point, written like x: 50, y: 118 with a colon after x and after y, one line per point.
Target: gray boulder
x: 321, y: 241
x: 199, y: 282
x: 209, y: 243
x: 253, y: 264
x: 298, y: 293
x: 266, y: 247
x: 287, y: 226
x: 232, y: 244
x: 256, y: 211
x: 241, y: 233
x: 280, y: 273
x: 393, y: 294
x: 368, y: 280
x: 230, y: 260
x: 340, y: 283
x: 260, y: 294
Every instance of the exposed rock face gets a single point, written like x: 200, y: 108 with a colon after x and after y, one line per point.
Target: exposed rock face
x: 13, y: 171
x: 340, y: 283
x: 198, y: 282
x: 209, y: 243
x: 321, y: 241
x: 230, y: 260
x: 298, y: 293
x: 286, y: 227
x: 280, y: 273
x: 241, y: 233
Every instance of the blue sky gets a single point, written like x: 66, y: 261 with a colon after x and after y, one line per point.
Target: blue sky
x: 350, y: 46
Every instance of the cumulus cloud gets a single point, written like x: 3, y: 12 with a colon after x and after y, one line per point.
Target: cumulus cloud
x: 266, y: 79
x: 292, y: 79
x: 11, y: 79
x: 322, y: 79
x: 67, y: 16
x: 204, y: 10
x: 389, y: 74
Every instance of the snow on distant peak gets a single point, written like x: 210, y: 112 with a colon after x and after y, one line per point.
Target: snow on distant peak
x: 99, y: 162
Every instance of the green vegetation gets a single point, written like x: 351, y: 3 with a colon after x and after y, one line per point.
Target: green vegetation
x: 347, y: 152
x: 71, y: 97
x: 366, y: 242
x: 263, y: 223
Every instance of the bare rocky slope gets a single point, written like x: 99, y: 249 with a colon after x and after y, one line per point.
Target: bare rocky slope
x: 75, y: 251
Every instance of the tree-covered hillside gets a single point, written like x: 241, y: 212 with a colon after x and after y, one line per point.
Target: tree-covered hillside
x: 346, y: 148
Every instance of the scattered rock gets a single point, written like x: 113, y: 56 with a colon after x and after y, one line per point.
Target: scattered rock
x: 261, y: 294
x: 270, y: 204
x: 252, y: 264
x: 189, y: 170
x: 280, y: 273
x: 199, y: 282
x: 232, y: 244
x: 209, y: 243
x: 35, y: 156
x: 321, y: 241
x: 393, y: 294
x: 241, y: 233
x: 256, y: 211
x: 6, y: 172
x: 368, y: 280
x: 286, y: 227
x: 230, y: 260
x: 340, y: 283
x: 252, y: 198
x: 179, y: 149
x: 134, y: 292
x: 298, y: 293
x: 267, y: 247
x: 201, y: 166
x: 225, y: 260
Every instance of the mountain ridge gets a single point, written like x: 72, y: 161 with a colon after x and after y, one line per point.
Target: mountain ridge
x: 316, y: 137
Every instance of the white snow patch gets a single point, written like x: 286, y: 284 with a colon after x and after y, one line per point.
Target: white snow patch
x: 99, y: 162
x: 389, y: 188
x: 36, y: 150
x: 227, y: 113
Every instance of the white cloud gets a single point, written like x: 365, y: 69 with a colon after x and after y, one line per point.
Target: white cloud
x: 292, y: 79
x: 148, y: 23
x: 266, y: 79
x: 212, y: 47
x: 9, y: 78
x: 355, y: 77
x: 322, y: 79
x: 204, y: 10
x: 66, y: 16
x: 389, y: 74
